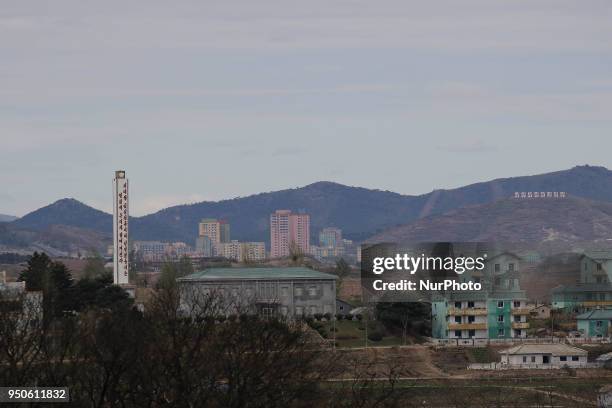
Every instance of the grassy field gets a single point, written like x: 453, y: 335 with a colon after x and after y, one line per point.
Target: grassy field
x: 497, y: 392
x: 351, y: 333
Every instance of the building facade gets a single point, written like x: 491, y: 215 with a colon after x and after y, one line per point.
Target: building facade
x: 595, y: 323
x: 289, y: 232
x: 544, y: 356
x: 330, y: 237
x: 241, y: 251
x: 594, y: 289
x: 499, y: 310
x: 282, y: 292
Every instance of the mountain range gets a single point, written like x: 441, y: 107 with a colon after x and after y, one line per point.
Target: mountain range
x: 477, y: 209
x: 7, y: 218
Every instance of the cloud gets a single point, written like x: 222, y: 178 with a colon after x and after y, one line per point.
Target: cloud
x: 290, y: 151
x: 468, y: 146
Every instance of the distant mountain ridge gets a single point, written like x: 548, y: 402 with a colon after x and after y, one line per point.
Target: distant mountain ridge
x: 360, y: 212
x: 7, y: 218
x: 536, y: 220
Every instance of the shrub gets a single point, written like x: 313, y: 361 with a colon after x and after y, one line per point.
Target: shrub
x: 339, y: 316
x: 318, y: 316
x: 327, y: 316
x: 375, y: 335
x: 359, y: 317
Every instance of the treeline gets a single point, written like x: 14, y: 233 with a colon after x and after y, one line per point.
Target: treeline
x: 111, y: 355
x: 62, y: 294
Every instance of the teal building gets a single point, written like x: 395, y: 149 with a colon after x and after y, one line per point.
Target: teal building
x: 595, y: 323
x: 594, y: 289
x: 497, y: 311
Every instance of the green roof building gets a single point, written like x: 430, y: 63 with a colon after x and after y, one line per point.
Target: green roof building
x: 287, y: 292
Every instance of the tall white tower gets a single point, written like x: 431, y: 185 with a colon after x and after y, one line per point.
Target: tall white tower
x: 121, y: 213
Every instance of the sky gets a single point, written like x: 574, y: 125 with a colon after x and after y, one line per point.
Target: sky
x: 207, y: 100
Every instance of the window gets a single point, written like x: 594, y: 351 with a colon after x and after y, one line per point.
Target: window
x: 472, y: 333
x: 457, y: 319
x: 563, y: 358
x: 517, y: 333
x: 299, y: 291
x: 533, y: 359
x: 313, y: 310
x: 457, y: 333
x: 470, y: 304
x: 598, y: 323
x: 471, y: 319
x: 517, y: 319
x: 500, y: 303
x: 511, y: 266
x: 285, y: 291
x: 299, y: 310
x: 312, y: 291
x: 500, y: 318
x: 497, y: 267
x: 458, y: 305
x: 599, y: 267
x: 517, y: 303
x: 501, y: 332
x: 524, y: 359
x: 267, y: 312
x: 574, y: 358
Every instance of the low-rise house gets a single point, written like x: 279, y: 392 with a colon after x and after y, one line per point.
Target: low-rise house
x: 595, y: 323
x: 544, y: 356
x: 286, y: 292
x: 343, y: 308
x: 540, y: 312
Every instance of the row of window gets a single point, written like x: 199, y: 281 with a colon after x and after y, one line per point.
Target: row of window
x: 500, y: 333
x: 500, y: 304
x: 561, y: 358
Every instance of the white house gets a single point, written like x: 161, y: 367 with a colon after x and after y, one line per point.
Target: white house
x: 544, y: 356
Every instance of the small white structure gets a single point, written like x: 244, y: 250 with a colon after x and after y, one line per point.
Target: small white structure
x: 544, y: 356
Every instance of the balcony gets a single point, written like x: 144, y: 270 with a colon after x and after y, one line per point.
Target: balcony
x: 467, y: 326
x: 520, y: 325
x: 467, y: 312
x: 595, y: 303
x: 520, y: 311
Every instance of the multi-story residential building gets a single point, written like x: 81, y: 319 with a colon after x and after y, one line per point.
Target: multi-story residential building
x: 594, y: 288
x: 289, y: 231
x: 330, y: 237
x: 211, y: 232
x: 216, y: 230
x: 288, y: 292
x: 150, y: 250
x: 157, y: 251
x: 596, y: 323
x: 241, y: 251
x: 499, y: 310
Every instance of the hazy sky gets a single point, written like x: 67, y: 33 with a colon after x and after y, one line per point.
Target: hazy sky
x: 204, y: 100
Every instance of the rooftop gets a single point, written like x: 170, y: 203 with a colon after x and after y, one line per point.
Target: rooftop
x: 554, y: 349
x: 598, y: 255
x: 597, y: 314
x: 586, y: 287
x: 257, y: 274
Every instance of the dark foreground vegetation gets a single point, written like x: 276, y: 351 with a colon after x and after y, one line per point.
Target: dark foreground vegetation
x: 112, y: 355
